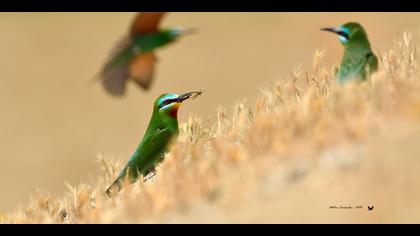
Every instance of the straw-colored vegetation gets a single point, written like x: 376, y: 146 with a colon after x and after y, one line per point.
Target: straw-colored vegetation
x: 303, y: 145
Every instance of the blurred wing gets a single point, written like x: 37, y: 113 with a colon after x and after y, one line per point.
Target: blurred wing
x: 146, y: 22
x: 141, y: 69
x: 114, y: 74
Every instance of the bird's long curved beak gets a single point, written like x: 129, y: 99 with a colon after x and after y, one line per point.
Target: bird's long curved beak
x: 336, y: 31
x: 188, y: 31
x: 186, y: 96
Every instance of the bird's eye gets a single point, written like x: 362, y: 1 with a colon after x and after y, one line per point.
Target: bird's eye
x: 344, y: 34
x: 166, y: 102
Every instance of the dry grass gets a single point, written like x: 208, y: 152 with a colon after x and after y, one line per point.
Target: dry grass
x: 300, y: 148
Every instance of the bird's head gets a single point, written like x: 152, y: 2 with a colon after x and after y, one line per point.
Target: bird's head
x: 168, y: 103
x: 176, y: 32
x: 350, y: 33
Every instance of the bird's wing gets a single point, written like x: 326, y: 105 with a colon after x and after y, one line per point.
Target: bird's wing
x: 367, y: 65
x: 146, y: 157
x: 372, y: 62
x: 360, y: 68
x: 146, y: 22
x: 114, y: 73
x: 141, y: 69
x: 151, y: 149
x: 356, y: 67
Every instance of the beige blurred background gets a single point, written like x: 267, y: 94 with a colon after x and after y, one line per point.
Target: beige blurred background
x: 54, y: 121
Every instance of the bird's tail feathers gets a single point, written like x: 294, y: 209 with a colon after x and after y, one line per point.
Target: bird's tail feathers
x: 123, y: 180
x: 114, y: 188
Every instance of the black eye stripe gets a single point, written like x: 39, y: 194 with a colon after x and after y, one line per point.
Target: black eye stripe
x: 344, y: 34
x: 166, y: 102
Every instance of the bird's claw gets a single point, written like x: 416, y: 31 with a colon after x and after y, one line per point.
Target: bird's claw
x: 150, y: 175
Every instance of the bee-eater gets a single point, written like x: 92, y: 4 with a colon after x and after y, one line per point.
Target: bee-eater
x: 162, y: 129
x: 358, y: 61
x: 134, y: 58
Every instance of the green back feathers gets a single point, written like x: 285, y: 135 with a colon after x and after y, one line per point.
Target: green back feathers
x: 150, y: 42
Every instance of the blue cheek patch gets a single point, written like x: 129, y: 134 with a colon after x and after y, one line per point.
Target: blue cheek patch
x: 343, y: 39
x: 166, y: 107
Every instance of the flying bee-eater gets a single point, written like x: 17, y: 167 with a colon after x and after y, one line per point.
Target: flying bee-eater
x: 133, y: 58
x: 162, y: 129
x: 358, y: 61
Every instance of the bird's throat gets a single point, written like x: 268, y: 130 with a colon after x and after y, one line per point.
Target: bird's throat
x: 174, y: 110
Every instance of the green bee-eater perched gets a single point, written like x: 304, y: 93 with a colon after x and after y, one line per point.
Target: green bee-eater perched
x: 358, y: 61
x: 162, y: 129
x: 133, y: 57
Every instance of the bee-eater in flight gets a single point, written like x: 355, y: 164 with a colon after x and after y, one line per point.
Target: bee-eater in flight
x: 134, y: 58
x: 162, y: 129
x: 358, y: 61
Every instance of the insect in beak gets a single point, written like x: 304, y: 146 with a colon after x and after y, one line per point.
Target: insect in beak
x: 186, y: 96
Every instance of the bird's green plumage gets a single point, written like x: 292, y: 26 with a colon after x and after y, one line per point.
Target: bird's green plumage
x: 162, y: 129
x: 358, y: 61
x: 143, y: 44
x: 149, y: 42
